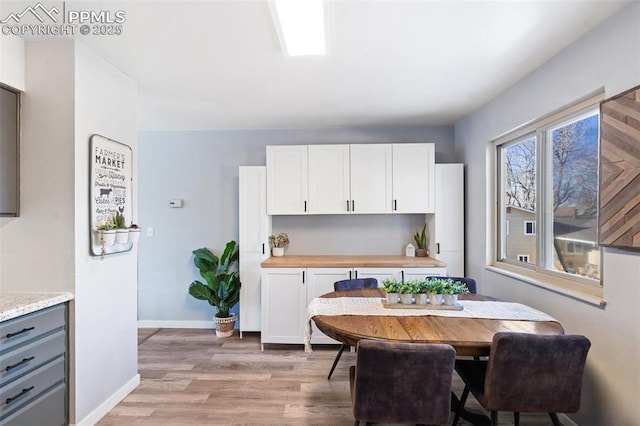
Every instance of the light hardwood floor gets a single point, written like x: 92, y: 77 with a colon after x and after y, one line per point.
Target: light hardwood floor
x: 190, y: 377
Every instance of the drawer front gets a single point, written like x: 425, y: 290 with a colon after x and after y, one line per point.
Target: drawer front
x: 46, y: 410
x: 26, y: 358
x: 28, y: 327
x: 28, y: 387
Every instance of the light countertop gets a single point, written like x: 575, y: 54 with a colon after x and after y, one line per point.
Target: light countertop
x: 15, y: 304
x: 337, y: 261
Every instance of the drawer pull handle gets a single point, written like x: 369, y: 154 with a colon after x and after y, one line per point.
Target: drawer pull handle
x: 17, y: 333
x: 24, y: 361
x: 24, y: 391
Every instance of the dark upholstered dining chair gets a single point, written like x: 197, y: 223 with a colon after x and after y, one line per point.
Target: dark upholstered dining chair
x: 395, y: 382
x: 469, y: 282
x: 350, y: 285
x: 528, y: 373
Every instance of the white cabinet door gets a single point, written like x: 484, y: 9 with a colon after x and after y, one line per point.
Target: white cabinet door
x: 287, y: 179
x: 449, y: 217
x: 284, y: 302
x: 254, y: 230
x: 380, y: 274
x: 413, y: 178
x: 371, y: 171
x: 329, y: 179
x: 320, y: 281
x: 409, y: 274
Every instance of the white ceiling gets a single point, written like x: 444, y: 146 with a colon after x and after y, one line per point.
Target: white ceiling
x: 219, y: 64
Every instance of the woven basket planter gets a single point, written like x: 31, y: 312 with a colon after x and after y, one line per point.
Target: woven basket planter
x: 224, y: 326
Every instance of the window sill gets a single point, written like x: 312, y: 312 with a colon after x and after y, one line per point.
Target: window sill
x: 588, y: 293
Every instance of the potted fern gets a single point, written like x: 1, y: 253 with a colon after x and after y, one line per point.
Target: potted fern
x: 421, y: 238
x: 222, y: 287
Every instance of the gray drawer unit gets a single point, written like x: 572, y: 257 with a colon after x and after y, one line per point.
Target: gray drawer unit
x: 47, y: 409
x: 28, y: 327
x: 33, y: 367
x: 24, y: 359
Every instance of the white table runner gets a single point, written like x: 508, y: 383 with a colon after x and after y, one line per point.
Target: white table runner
x: 372, y: 306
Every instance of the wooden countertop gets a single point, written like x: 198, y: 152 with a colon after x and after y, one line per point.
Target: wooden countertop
x: 337, y: 261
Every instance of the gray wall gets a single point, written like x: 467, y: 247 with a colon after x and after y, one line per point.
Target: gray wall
x: 201, y: 167
x: 608, y: 57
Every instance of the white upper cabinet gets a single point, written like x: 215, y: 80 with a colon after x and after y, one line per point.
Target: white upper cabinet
x: 287, y: 180
x: 413, y: 178
x: 329, y: 179
x: 371, y: 172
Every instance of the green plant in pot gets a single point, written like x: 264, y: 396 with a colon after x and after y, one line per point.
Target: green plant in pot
x: 222, y: 288
x: 122, y: 233
x: 421, y: 238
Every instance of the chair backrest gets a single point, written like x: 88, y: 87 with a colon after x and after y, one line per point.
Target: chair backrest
x: 396, y: 382
x: 355, y: 283
x: 469, y: 282
x: 535, y: 373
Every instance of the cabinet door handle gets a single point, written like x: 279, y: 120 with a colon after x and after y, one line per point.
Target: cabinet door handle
x: 13, y: 398
x: 353, y: 206
x: 347, y: 205
x: 402, y: 275
x: 262, y: 248
x: 356, y: 274
x: 17, y: 364
x: 438, y: 248
x: 302, y: 277
x: 17, y: 333
x: 395, y: 205
x: 349, y: 274
x: 305, y: 206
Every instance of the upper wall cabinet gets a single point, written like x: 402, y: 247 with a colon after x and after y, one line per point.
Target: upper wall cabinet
x: 347, y: 179
x: 287, y: 180
x: 413, y: 178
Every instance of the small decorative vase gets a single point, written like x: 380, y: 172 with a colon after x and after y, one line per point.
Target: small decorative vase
x: 393, y: 297
x: 451, y: 299
x: 422, y: 299
x: 422, y: 252
x: 107, y: 237
x: 435, y: 299
x: 224, y: 326
x: 277, y: 251
x: 122, y: 236
x: 134, y: 235
x: 406, y: 299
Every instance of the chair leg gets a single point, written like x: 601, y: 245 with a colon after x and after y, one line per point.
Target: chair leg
x: 516, y: 418
x: 463, y: 400
x: 494, y: 418
x: 555, y: 419
x: 335, y: 362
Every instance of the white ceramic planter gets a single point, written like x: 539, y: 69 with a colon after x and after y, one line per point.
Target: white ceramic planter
x: 122, y: 236
x: 277, y: 251
x: 393, y: 298
x: 134, y: 235
x: 107, y: 238
x: 422, y: 299
x: 406, y: 299
x: 435, y: 299
x: 450, y: 299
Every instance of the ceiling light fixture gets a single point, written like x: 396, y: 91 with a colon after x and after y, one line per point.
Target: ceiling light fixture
x: 300, y: 26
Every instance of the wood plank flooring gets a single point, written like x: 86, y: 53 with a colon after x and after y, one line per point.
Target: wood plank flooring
x: 190, y: 377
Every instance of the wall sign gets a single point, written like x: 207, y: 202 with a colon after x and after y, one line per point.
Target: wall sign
x: 620, y: 170
x: 110, y: 191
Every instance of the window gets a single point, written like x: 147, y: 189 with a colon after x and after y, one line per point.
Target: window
x: 547, y: 185
x: 529, y: 227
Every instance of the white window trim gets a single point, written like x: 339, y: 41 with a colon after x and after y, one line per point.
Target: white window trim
x: 571, y: 286
x: 533, y: 227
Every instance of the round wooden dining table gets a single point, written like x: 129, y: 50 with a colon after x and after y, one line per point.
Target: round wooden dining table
x: 468, y: 336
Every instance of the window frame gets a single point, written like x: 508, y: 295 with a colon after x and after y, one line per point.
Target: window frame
x: 533, y: 227
x: 538, y: 274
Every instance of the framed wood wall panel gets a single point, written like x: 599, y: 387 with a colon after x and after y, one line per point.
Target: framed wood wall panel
x: 620, y: 170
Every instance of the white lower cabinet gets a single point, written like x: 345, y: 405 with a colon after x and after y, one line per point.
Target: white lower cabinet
x: 286, y: 292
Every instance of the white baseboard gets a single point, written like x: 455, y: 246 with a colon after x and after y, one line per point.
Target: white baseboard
x: 111, y: 402
x: 176, y: 324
